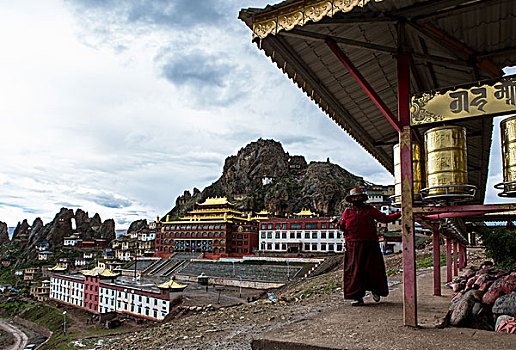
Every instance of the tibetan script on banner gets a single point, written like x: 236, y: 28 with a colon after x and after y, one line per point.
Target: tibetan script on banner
x: 488, y: 98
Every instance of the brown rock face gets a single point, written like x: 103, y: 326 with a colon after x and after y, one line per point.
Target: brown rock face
x: 60, y: 227
x: 22, y: 228
x: 263, y: 176
x: 137, y: 226
x: 106, y: 230
x: 4, y: 234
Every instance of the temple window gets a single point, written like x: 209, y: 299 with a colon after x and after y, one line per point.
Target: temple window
x: 295, y: 226
x: 311, y: 226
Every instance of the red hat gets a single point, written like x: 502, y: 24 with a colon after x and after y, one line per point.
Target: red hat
x: 355, y: 193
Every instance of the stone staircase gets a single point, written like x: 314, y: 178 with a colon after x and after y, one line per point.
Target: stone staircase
x: 255, y: 272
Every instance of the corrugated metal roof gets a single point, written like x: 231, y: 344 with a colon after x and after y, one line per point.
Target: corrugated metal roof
x: 483, y: 27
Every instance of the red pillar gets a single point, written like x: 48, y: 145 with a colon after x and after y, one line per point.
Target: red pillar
x: 409, y: 249
x: 449, y: 275
x: 461, y: 257
x: 437, y: 261
x: 465, y: 256
x: 455, y: 253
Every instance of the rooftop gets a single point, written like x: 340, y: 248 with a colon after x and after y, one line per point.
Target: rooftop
x: 216, y: 201
x: 451, y: 43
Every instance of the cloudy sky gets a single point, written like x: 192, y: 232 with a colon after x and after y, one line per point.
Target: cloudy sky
x: 117, y: 107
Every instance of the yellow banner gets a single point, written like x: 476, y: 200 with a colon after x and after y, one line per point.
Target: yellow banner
x: 489, y: 98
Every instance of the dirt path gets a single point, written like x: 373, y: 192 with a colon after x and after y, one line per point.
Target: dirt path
x: 380, y: 326
x: 320, y: 319
x: 20, y: 338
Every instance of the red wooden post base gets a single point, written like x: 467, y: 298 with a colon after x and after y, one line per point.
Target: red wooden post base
x: 449, y: 267
x: 461, y: 257
x: 455, y: 254
x: 437, y: 262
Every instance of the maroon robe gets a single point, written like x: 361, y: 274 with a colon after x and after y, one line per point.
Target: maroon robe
x: 364, y: 268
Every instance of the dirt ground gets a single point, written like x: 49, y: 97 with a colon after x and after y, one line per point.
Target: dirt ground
x: 313, y: 313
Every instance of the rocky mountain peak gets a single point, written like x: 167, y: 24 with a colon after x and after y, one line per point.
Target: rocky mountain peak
x: 263, y: 176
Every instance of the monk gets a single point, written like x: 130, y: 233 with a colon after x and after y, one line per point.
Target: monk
x: 364, y: 269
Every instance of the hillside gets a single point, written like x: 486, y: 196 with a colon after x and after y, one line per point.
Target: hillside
x: 263, y: 176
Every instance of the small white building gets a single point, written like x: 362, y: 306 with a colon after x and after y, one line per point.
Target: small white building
x: 81, y: 262
x: 70, y: 241
x: 42, y: 246
x: 68, y: 290
x: 295, y: 235
x: 45, y: 255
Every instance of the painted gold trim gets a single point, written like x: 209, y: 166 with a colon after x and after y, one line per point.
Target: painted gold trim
x: 299, y: 13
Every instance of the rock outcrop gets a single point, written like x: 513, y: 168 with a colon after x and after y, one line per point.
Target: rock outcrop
x: 22, y: 229
x: 28, y: 236
x: 263, y: 176
x: 137, y: 226
x: 4, y: 234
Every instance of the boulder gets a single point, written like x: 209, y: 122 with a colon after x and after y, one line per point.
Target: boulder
x: 500, y: 319
x: 463, y: 309
x: 507, y: 326
x: 502, y: 286
x: 505, y: 305
x: 480, y: 317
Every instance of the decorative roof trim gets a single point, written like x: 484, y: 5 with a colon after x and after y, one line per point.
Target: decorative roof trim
x: 306, y: 212
x: 216, y: 201
x: 171, y: 284
x: 99, y: 271
x: 298, y: 13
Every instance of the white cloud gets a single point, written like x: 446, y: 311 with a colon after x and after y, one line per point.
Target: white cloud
x: 118, y: 107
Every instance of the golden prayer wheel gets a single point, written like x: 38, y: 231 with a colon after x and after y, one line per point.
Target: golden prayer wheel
x: 446, y: 160
x: 417, y: 172
x: 508, y: 130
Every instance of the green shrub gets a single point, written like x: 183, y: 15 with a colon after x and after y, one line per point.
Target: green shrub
x: 500, y: 244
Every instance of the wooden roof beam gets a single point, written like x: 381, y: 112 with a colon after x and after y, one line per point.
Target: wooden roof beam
x: 359, y: 19
x: 457, y: 9
x: 447, y: 62
x: 307, y: 35
x: 429, y: 8
x: 332, y: 102
x: 303, y: 34
x: 505, y: 51
x: 364, y: 84
x: 462, y: 49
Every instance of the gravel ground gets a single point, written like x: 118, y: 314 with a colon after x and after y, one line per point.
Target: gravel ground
x: 235, y: 327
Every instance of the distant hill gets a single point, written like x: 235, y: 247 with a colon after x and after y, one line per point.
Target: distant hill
x: 263, y: 176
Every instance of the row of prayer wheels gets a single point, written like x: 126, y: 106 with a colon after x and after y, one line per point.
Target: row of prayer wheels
x: 442, y: 171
